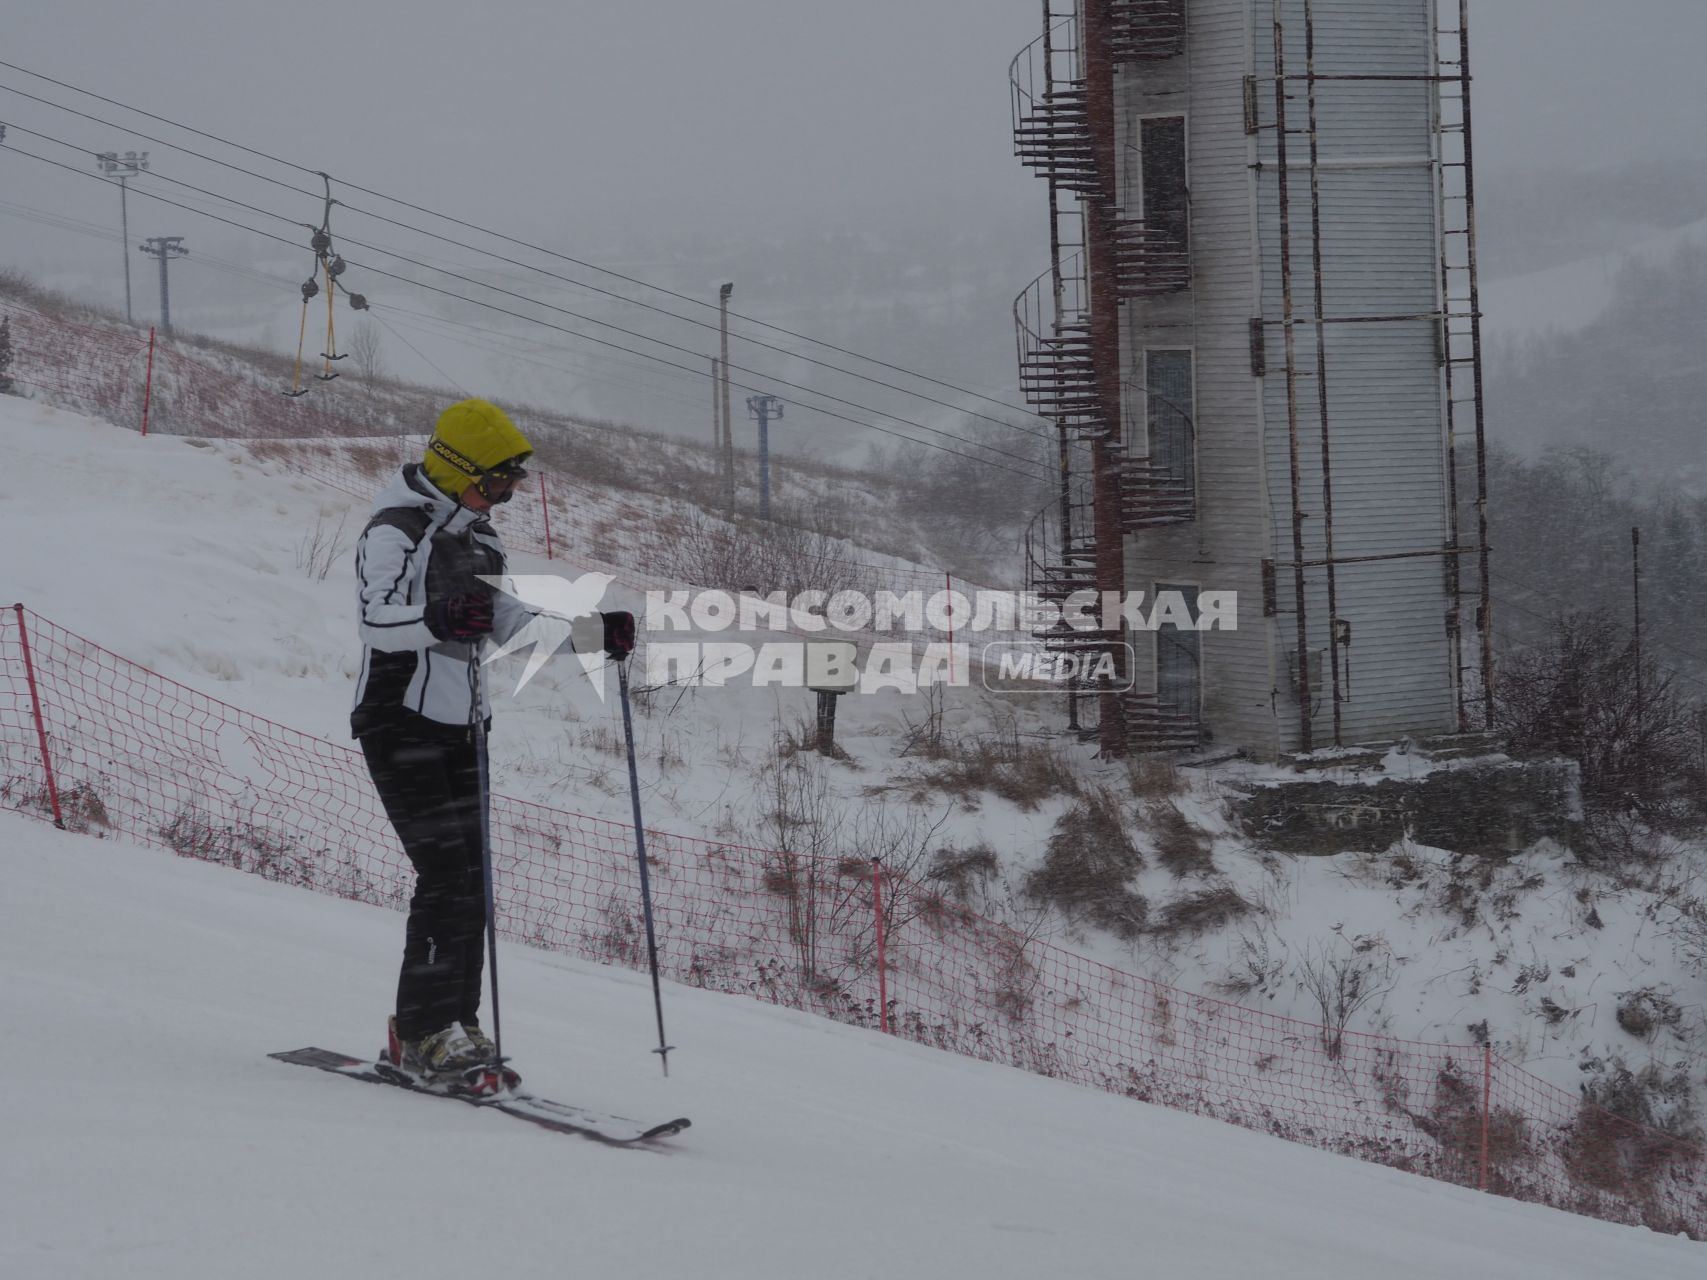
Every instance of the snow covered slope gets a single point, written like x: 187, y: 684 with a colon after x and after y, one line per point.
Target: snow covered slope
x: 148, y: 1135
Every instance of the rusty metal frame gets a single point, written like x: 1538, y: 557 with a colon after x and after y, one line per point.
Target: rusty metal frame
x: 1068, y: 321
x: 1322, y: 367
x: 1288, y: 329
x: 1452, y: 309
x: 1103, y: 272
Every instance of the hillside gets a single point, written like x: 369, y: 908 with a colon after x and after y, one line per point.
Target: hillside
x: 198, y: 558
x: 1610, y: 361
x: 169, y: 1146
x: 835, y: 491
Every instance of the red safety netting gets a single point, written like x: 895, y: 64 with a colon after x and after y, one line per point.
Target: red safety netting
x: 135, y: 754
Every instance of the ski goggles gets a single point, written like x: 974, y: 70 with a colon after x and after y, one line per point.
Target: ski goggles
x: 499, y: 482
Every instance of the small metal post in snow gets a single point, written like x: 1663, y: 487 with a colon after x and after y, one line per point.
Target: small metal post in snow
x: 882, y: 958
x: 545, y: 507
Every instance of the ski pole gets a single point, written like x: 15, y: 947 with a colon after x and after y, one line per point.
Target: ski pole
x: 477, y: 729
x: 664, y: 1047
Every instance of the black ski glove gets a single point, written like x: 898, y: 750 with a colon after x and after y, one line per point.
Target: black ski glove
x: 619, y: 634
x: 464, y: 617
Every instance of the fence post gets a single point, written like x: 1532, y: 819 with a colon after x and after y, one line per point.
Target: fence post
x: 1487, y: 1099
x: 882, y: 958
x: 545, y: 507
x: 148, y: 383
x: 41, y: 725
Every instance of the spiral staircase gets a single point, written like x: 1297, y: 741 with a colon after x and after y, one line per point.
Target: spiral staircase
x: 1058, y: 366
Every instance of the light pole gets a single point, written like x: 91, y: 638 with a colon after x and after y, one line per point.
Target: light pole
x: 123, y: 168
x: 764, y: 408
x: 728, y: 426
x: 165, y: 248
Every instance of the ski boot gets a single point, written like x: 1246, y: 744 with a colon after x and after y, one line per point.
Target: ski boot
x: 454, y: 1060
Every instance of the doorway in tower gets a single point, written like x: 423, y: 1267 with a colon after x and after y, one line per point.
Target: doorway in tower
x: 1179, y: 657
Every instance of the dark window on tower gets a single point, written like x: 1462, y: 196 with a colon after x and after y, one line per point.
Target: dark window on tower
x: 1171, y: 411
x: 1167, y: 202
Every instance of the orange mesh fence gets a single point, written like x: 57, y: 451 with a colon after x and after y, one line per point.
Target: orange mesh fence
x: 105, y: 746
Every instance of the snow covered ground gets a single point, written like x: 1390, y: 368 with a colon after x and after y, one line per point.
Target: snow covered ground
x: 147, y: 1134
x: 184, y: 555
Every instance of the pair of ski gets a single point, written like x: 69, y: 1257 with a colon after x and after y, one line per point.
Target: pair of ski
x: 490, y: 1088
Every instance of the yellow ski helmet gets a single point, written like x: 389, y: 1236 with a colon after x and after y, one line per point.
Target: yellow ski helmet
x: 473, y: 438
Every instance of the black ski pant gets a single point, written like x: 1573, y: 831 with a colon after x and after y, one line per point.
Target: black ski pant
x: 430, y: 787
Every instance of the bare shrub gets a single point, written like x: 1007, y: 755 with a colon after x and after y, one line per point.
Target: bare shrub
x: 1576, y: 694
x: 829, y: 898
x: 756, y: 558
x: 1643, y: 1013
x: 1459, y: 894
x: 364, y: 351
x: 962, y: 870
x: 1086, y: 867
x: 788, y: 739
x: 603, y: 739
x: 1254, y: 969
x: 1689, y: 927
x: 925, y: 737
x: 1454, y: 1120
x: 319, y: 549
x: 6, y: 380
x: 1631, y: 1128
x: 81, y: 808
x: 1342, y: 983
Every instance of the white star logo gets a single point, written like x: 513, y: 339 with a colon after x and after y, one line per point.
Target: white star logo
x: 564, y: 610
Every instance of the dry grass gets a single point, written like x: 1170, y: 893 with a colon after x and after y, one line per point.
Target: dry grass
x: 1154, y: 778
x: 1631, y: 1128
x: 1180, y: 847
x: 1023, y: 774
x: 960, y: 871
x: 1454, y: 1120
x: 1087, y: 866
x: 371, y: 461
x: 1202, y: 911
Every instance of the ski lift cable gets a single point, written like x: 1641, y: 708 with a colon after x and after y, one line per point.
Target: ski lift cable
x: 1033, y: 474
x: 333, y: 265
x: 498, y: 235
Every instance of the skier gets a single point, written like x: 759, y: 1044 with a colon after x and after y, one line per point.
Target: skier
x: 424, y: 614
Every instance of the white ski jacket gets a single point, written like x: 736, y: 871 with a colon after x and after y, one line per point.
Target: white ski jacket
x: 420, y: 545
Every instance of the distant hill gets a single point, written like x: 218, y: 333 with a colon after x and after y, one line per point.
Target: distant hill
x: 1631, y: 380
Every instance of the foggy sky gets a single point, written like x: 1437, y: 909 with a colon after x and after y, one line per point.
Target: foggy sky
x: 597, y: 121
x: 625, y: 132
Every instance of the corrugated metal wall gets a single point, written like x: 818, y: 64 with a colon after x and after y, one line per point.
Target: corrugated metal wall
x: 1380, y: 254
x: 1381, y: 257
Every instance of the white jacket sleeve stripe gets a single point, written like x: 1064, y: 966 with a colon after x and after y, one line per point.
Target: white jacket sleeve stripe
x: 384, y: 565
